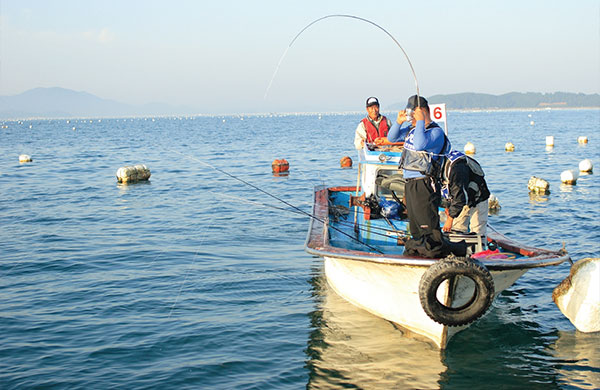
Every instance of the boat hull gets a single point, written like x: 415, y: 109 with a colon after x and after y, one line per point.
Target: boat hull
x: 373, y: 273
x: 391, y: 291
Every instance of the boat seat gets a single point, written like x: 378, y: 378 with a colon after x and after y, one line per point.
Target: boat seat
x: 474, y: 241
x: 394, y: 182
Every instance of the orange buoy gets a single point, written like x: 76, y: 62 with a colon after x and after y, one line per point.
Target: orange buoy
x: 346, y: 162
x: 280, y: 166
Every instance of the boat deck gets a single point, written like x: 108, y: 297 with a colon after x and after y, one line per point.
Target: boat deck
x: 349, y: 234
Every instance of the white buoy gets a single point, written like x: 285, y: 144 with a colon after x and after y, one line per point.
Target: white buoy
x: 509, y: 147
x: 578, y: 296
x: 538, y: 185
x: 25, y: 158
x: 549, y: 140
x: 532, y: 123
x: 131, y: 174
x: 569, y: 176
x: 469, y: 148
x: 586, y: 165
x: 493, y: 203
x: 582, y: 139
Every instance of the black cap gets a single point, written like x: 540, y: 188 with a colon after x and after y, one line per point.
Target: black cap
x: 412, y: 102
x: 372, y: 101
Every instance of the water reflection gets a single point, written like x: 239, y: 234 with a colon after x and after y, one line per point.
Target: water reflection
x: 535, y: 197
x: 566, y: 188
x: 124, y: 187
x: 579, y: 357
x: 350, y: 348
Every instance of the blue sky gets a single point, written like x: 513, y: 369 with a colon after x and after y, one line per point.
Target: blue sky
x: 220, y: 56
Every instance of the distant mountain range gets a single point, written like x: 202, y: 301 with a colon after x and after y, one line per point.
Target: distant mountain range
x: 65, y: 103
x: 510, y: 100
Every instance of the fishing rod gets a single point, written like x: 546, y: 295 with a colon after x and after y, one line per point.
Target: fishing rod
x: 299, y: 210
x: 374, y: 230
x: 350, y: 17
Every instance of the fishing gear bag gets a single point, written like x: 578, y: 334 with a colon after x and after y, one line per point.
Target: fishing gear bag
x: 391, y: 209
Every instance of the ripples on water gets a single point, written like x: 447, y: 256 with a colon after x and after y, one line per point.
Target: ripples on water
x: 192, y: 280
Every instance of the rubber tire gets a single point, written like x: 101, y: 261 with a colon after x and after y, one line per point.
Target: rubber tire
x: 445, y: 269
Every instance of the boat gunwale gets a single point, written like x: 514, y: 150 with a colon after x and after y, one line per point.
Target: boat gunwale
x: 317, y: 243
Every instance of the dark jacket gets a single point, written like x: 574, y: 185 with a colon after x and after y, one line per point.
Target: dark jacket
x: 463, y: 185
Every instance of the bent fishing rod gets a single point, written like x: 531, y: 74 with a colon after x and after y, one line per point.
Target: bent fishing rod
x: 355, y: 18
x: 297, y: 209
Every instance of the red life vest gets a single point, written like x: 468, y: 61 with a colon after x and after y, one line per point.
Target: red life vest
x: 373, y: 132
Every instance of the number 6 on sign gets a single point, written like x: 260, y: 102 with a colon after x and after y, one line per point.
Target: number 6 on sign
x: 438, y: 115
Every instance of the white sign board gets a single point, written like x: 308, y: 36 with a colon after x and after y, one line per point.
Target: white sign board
x: 438, y: 114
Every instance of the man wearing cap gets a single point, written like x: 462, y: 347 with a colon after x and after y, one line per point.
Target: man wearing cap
x: 420, y: 134
x: 372, y: 126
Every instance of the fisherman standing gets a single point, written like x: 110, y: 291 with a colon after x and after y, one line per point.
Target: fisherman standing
x: 372, y: 126
x: 425, y: 145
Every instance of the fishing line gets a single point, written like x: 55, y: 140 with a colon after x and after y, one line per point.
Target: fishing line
x: 187, y: 273
x: 375, y: 230
x: 299, y: 210
x: 255, y: 203
x: 351, y: 17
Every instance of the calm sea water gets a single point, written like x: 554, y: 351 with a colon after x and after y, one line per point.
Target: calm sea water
x: 195, y: 280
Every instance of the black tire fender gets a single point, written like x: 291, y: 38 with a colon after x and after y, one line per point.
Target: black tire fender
x: 447, y: 269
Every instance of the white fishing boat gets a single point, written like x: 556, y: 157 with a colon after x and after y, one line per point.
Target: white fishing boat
x: 364, y: 261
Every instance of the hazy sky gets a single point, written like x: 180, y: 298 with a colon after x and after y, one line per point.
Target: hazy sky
x: 219, y: 56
